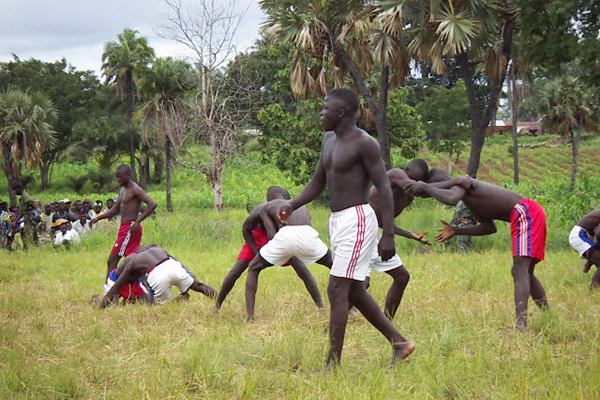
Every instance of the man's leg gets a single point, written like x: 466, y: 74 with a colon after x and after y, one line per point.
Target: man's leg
x: 337, y: 291
x: 113, y: 261
x: 538, y: 294
x: 256, y: 265
x: 367, y: 305
x: 238, y: 268
x: 309, y: 281
x: 203, y: 288
x: 394, y: 295
x: 522, y: 282
x: 594, y: 259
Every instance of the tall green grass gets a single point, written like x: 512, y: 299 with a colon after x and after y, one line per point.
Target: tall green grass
x: 457, y: 309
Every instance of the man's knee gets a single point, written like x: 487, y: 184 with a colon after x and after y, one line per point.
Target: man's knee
x: 400, y: 275
x: 520, y: 267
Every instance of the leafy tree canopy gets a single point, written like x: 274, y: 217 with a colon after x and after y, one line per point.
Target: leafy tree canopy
x: 446, y: 119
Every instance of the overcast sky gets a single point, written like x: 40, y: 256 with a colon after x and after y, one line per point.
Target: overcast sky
x: 77, y: 29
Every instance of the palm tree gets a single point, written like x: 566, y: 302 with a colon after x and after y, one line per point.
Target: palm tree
x: 25, y: 131
x: 165, y: 108
x: 474, y: 32
x: 568, y: 104
x: 336, y: 39
x: 122, y: 62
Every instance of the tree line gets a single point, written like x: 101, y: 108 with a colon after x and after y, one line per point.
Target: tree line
x: 424, y: 69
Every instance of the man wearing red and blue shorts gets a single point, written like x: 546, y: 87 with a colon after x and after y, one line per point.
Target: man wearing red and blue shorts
x: 256, y: 237
x: 488, y: 203
x: 129, y: 202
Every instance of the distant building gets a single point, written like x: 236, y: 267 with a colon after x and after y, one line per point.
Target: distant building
x: 523, y: 128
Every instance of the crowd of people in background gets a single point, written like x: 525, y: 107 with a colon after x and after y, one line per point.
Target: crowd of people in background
x: 60, y: 223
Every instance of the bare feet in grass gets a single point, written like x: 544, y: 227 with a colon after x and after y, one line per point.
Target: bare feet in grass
x: 402, y: 351
x: 94, y: 300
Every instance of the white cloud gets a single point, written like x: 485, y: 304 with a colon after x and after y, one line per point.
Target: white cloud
x: 50, y: 30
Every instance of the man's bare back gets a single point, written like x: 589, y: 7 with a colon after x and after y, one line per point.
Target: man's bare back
x: 590, y: 221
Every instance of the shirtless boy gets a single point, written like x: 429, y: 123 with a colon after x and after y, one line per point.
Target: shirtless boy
x: 161, y: 271
x: 291, y: 237
x: 583, y: 239
x: 415, y: 170
x: 256, y: 237
x: 128, y: 204
x: 488, y: 203
x: 351, y: 159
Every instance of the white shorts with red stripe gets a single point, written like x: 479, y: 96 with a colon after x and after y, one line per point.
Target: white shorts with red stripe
x: 353, y: 236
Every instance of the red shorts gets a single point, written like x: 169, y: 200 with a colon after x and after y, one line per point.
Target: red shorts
x: 127, y: 244
x: 261, y: 238
x: 528, y: 230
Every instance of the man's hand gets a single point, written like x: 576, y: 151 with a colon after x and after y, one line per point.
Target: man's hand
x: 587, y: 266
x: 415, y: 188
x: 134, y: 228
x: 420, y: 237
x: 386, y: 247
x: 284, y: 212
x: 93, y: 221
x: 447, y: 231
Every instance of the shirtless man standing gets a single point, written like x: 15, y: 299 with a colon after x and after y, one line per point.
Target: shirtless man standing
x: 583, y: 239
x: 289, y: 236
x: 128, y: 204
x: 256, y: 237
x: 487, y: 203
x: 161, y: 271
x: 350, y: 160
x: 415, y: 170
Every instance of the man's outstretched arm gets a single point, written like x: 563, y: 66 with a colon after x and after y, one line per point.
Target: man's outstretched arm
x: 312, y: 189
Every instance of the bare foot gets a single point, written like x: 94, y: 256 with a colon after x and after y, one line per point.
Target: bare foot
x: 182, y: 297
x: 94, y: 300
x: 401, y: 351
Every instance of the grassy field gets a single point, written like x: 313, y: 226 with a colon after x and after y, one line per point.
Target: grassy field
x: 457, y: 308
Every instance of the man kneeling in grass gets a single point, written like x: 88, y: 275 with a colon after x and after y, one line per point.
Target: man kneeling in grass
x: 160, y: 271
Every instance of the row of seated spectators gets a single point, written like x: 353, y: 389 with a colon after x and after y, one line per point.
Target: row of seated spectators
x: 61, y: 223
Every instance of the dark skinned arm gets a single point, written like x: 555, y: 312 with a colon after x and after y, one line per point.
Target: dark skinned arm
x: 127, y: 276
x: 109, y: 214
x: 247, y: 228
x: 312, y: 189
x: 150, y: 207
x: 447, y: 196
x: 486, y: 227
x: 376, y: 170
x: 267, y: 221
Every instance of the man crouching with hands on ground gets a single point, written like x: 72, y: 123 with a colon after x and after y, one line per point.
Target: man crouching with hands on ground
x: 351, y: 159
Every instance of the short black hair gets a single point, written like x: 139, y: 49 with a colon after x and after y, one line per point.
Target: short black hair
x: 17, y: 185
x: 347, y: 96
x: 438, y: 175
x: 275, y: 191
x: 420, y: 164
x: 124, y: 168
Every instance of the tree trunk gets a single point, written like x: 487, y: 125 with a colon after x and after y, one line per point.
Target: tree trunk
x: 144, y: 162
x: 480, y: 121
x: 45, y: 175
x: 9, y: 173
x: 158, y: 168
x: 168, y: 147
x: 129, y: 83
x: 575, y: 139
x: 449, y: 163
x: 384, y: 139
x: 515, y: 137
x: 216, y: 172
x: 45, y: 165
